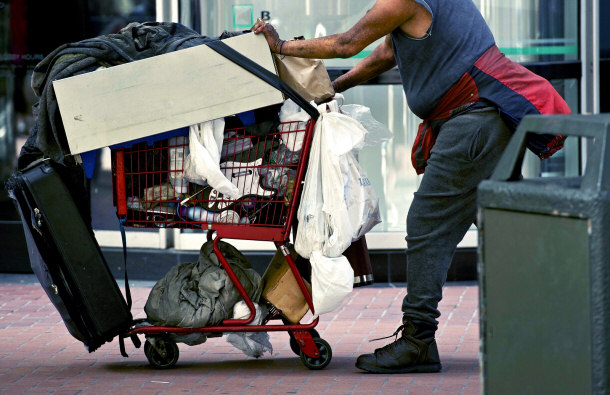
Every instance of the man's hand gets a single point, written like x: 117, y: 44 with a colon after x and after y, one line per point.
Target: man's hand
x: 273, y: 39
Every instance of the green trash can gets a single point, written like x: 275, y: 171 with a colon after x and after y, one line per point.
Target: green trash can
x: 544, y: 269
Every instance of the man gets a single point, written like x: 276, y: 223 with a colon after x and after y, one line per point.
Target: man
x: 471, y: 98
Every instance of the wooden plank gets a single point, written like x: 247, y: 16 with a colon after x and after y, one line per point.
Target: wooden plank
x: 162, y: 93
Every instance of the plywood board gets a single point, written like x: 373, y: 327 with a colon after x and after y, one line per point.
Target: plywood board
x: 162, y: 93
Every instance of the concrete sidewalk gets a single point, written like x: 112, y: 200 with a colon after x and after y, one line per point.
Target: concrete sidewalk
x: 37, y: 355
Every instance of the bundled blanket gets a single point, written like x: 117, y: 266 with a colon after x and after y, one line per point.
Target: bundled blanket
x: 194, y: 295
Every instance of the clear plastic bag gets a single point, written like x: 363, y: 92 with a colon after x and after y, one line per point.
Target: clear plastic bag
x: 284, y: 156
x: 377, y: 132
x: 277, y: 178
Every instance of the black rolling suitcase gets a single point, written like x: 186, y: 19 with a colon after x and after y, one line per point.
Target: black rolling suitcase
x: 66, y: 258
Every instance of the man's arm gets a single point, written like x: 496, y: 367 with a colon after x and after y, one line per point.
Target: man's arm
x: 379, y: 61
x: 379, y: 21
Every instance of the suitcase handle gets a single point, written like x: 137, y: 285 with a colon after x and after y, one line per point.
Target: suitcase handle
x: 264, y: 74
x: 35, y: 215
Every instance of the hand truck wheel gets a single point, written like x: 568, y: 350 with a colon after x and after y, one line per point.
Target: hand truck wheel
x: 162, y: 352
x: 323, y: 360
x: 294, y: 345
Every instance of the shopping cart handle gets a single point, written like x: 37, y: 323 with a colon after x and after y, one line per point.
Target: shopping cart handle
x: 264, y: 74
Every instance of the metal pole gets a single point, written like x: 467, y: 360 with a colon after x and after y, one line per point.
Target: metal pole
x: 167, y: 10
x: 589, y: 56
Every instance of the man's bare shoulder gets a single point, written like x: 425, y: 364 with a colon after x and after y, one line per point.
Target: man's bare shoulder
x: 411, y: 16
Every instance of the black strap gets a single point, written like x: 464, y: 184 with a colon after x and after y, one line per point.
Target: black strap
x: 122, y: 347
x: 264, y: 74
x: 127, y: 291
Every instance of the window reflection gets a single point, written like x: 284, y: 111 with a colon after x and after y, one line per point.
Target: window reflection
x: 525, y: 30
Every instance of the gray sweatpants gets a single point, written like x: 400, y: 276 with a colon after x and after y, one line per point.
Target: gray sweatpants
x: 466, y: 150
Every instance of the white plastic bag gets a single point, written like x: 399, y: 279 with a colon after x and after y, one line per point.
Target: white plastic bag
x: 352, y: 194
x: 332, y: 279
x: 292, y: 112
x: 310, y: 230
x: 202, y: 165
x: 336, y: 184
x: 337, y: 222
x: 253, y: 344
x: 341, y: 135
x: 342, y: 132
x: 360, y: 198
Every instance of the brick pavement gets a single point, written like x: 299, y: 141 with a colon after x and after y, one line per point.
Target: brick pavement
x: 38, y: 356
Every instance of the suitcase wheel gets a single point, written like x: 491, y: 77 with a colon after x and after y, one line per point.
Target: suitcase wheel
x: 161, y: 351
x: 323, y: 360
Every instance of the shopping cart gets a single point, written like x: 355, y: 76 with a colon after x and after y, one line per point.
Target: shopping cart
x: 150, y: 192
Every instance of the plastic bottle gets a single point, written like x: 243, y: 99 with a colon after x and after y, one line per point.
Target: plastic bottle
x: 198, y: 214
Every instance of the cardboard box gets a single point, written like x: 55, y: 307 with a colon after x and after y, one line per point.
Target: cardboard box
x: 281, y: 289
x: 162, y: 93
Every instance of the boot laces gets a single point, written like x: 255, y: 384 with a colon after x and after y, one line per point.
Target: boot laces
x: 395, y: 334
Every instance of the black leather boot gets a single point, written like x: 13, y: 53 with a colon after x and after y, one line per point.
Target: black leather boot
x: 407, y: 354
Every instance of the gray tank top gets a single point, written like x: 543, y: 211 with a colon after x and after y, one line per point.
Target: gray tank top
x: 430, y: 65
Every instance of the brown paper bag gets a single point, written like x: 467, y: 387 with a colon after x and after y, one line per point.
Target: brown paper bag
x: 280, y: 287
x: 308, y: 77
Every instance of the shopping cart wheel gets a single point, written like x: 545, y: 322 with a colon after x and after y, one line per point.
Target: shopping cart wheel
x: 163, y: 354
x: 323, y: 360
x: 294, y: 345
